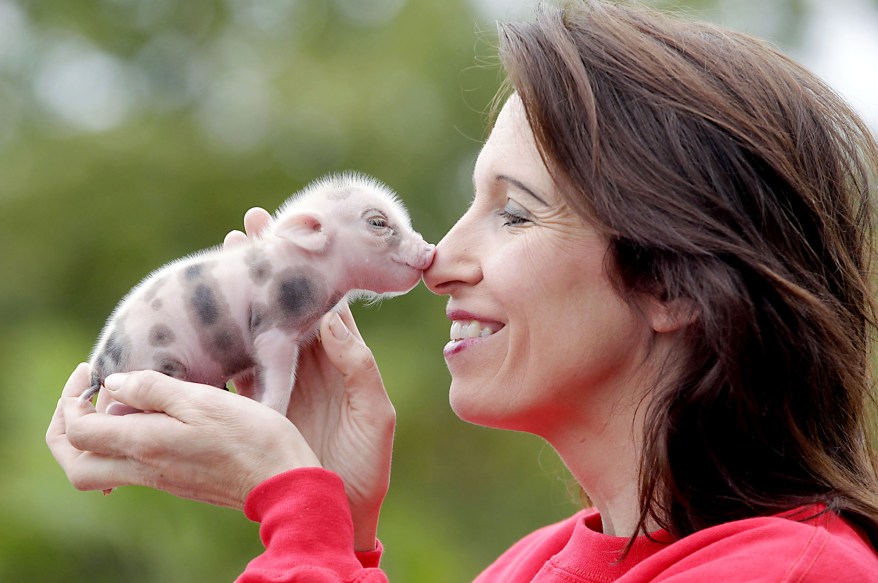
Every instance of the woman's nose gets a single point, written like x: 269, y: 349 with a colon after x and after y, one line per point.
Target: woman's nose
x: 456, y: 260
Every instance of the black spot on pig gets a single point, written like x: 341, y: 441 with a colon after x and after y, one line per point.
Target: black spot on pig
x: 205, y: 304
x: 296, y: 294
x: 224, y: 341
x: 193, y: 271
x: 238, y: 362
x: 113, y: 356
x: 98, y: 372
x: 339, y: 194
x: 169, y: 365
x: 259, y: 266
x: 115, y: 348
x: 297, y: 300
x: 257, y: 316
x: 161, y: 335
x: 211, y: 317
x: 227, y: 347
x: 201, y: 293
x: 154, y: 289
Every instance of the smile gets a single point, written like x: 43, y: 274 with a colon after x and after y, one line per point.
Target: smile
x: 463, y: 329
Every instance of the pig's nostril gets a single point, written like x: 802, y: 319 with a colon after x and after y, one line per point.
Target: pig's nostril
x: 427, y: 257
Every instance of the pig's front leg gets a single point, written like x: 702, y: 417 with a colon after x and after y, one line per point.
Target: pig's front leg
x: 276, y: 354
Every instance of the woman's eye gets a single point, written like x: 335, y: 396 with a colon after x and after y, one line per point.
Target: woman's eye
x: 513, y: 216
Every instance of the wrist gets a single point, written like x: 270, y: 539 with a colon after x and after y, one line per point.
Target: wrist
x: 365, y: 513
x: 366, y: 532
x: 281, y: 461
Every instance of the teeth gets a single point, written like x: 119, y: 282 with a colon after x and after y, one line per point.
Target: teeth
x: 461, y: 329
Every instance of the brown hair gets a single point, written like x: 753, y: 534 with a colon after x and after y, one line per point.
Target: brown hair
x: 729, y: 177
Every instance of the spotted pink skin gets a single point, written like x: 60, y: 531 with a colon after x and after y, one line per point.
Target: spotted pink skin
x: 226, y: 313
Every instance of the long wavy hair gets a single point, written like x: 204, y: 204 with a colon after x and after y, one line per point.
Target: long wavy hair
x: 730, y: 178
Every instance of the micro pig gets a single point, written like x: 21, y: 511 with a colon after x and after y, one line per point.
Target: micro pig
x: 227, y: 313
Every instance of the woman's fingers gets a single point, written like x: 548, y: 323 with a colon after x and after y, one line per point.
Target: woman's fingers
x: 149, y: 390
x: 137, y: 436
x: 362, y: 444
x: 190, y: 440
x: 98, y: 472
x: 144, y: 390
x: 256, y: 220
x: 349, y: 354
x: 86, y: 471
x: 78, y: 381
x: 56, y: 434
x: 347, y: 317
x: 234, y: 239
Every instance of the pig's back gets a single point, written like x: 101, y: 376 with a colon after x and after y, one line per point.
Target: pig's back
x: 178, y: 322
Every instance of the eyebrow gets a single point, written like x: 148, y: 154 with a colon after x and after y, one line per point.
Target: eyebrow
x: 521, y: 187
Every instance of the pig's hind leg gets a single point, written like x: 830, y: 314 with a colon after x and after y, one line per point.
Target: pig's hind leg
x: 277, y: 354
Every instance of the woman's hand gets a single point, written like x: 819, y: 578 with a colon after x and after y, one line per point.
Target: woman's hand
x: 190, y: 440
x: 340, y: 407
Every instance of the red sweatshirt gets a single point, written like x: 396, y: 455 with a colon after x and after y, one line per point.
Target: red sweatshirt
x: 308, y: 536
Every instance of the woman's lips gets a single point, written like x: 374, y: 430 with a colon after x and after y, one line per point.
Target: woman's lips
x: 468, y: 329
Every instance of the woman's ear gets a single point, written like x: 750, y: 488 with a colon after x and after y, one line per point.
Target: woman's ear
x: 670, y: 315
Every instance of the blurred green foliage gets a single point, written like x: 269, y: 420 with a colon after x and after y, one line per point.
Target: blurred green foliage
x: 134, y: 132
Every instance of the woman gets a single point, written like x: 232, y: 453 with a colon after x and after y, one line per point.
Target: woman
x: 664, y: 272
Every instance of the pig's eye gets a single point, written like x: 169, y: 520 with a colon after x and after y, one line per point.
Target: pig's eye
x: 376, y: 220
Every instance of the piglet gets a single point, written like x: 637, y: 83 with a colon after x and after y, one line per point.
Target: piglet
x: 245, y: 311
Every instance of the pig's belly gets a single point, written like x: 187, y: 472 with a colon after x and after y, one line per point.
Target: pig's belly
x: 202, y: 354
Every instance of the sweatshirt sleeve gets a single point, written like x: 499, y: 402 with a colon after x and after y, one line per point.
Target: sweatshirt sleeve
x: 307, y: 531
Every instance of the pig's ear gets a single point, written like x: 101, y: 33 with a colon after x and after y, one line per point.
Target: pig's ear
x: 305, y: 230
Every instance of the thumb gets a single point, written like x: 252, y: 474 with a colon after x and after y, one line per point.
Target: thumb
x: 348, y: 353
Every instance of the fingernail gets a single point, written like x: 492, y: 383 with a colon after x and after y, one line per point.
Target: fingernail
x: 114, y: 381
x: 339, y: 330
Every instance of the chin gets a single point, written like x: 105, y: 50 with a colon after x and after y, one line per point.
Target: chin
x: 480, y: 409
x: 469, y: 407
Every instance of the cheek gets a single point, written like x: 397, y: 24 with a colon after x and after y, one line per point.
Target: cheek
x: 582, y: 332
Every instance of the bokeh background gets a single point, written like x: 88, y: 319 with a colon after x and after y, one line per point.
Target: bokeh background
x: 135, y: 131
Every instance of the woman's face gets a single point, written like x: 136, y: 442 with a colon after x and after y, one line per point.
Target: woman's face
x: 540, y: 340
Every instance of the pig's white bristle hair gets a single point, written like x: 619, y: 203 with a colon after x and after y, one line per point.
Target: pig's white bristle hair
x: 370, y: 298
x: 340, y: 180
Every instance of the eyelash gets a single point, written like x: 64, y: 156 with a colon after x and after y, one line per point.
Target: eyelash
x: 512, y: 218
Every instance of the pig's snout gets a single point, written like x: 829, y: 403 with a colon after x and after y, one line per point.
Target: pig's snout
x: 417, y: 254
x: 414, y: 252
x: 424, y: 257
